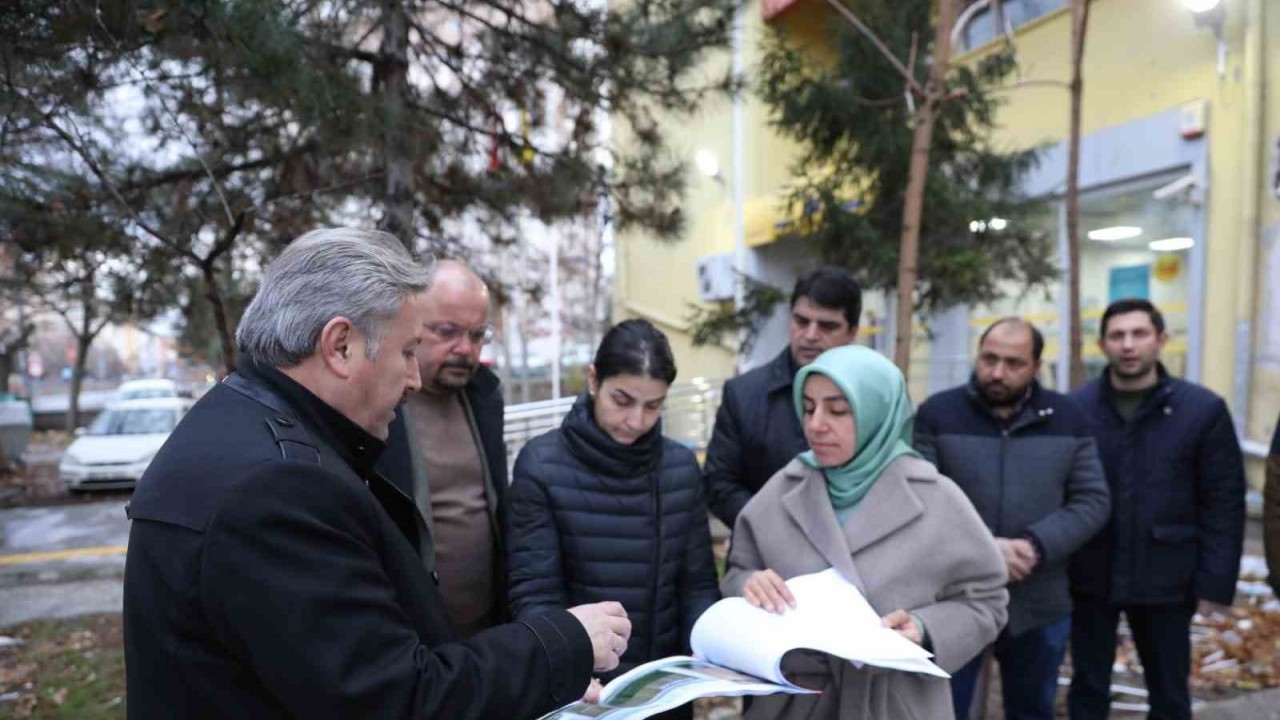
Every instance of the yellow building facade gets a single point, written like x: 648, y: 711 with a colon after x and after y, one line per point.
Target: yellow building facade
x: 1180, y: 168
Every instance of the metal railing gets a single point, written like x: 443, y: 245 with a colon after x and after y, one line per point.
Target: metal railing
x: 688, y: 417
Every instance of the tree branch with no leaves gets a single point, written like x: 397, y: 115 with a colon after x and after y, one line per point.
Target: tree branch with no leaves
x: 879, y: 45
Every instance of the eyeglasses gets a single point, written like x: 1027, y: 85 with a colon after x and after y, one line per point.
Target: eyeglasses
x: 449, y: 333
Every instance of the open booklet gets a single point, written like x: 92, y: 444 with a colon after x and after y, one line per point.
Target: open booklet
x: 739, y: 651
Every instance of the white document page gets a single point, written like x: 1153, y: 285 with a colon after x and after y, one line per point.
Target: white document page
x: 830, y: 616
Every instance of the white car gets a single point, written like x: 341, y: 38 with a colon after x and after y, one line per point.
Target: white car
x: 150, y: 388
x: 114, y: 451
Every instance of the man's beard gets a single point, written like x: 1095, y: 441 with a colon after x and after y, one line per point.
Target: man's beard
x: 447, y: 382
x: 1009, y: 397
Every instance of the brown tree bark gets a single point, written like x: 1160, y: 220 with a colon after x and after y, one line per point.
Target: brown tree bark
x: 213, y: 293
x: 913, y: 202
x: 397, y: 216
x: 1079, y: 24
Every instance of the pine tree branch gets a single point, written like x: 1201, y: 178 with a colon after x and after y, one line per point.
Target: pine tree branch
x: 350, y: 53
x: 172, y: 176
x: 879, y: 45
x: 77, y: 146
x: 173, y: 116
x: 319, y: 191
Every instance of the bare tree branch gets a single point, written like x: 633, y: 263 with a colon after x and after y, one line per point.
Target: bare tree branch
x: 879, y: 45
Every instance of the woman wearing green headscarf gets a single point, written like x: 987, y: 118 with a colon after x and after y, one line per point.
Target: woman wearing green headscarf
x: 862, y: 500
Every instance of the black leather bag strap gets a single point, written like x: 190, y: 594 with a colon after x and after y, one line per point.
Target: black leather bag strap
x: 290, y: 436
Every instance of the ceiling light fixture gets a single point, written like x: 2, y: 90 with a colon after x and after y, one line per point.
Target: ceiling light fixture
x: 1118, y: 232
x: 1173, y: 244
x: 1200, y: 6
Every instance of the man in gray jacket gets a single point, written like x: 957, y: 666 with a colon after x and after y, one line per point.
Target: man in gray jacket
x: 1026, y: 459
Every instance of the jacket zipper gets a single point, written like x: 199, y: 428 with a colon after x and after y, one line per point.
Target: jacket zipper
x: 1005, y: 434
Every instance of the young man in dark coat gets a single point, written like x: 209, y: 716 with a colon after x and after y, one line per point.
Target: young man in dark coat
x: 1176, y: 533
x: 273, y: 574
x: 756, y: 431
x: 447, y: 453
x: 1026, y: 459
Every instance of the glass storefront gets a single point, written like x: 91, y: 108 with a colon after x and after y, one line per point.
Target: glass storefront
x: 1134, y: 245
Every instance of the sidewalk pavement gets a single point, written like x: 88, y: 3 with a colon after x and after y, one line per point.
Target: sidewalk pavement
x: 1260, y: 705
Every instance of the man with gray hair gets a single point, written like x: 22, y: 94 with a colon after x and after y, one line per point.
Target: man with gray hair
x: 272, y: 573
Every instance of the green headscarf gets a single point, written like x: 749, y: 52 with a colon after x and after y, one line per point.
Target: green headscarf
x: 877, y: 392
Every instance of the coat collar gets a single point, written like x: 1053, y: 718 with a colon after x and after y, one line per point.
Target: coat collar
x: 888, y: 506
x: 781, y: 372
x: 483, y: 385
x: 1160, y: 393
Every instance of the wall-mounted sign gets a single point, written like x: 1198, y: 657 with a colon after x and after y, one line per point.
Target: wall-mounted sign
x: 1168, y: 266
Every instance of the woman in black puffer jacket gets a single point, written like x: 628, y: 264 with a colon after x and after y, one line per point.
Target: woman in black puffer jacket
x: 606, y: 508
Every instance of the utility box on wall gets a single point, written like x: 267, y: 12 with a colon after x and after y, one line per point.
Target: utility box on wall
x: 715, y: 277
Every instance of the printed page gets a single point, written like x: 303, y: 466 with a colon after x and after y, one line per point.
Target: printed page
x: 663, y: 685
x: 830, y: 616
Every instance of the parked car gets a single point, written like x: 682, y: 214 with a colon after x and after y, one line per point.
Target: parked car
x: 149, y: 388
x: 114, y: 451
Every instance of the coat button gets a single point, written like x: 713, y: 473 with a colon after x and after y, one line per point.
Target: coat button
x: 284, y: 421
x: 435, y: 577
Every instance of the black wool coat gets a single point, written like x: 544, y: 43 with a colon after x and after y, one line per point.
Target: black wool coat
x: 273, y: 574
x: 757, y: 432
x: 1177, y: 481
x: 595, y: 520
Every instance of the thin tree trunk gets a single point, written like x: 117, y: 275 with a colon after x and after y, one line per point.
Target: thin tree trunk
x: 77, y: 381
x: 9, y: 357
x: 1079, y: 24
x: 213, y: 293
x: 397, y: 216
x: 913, y: 201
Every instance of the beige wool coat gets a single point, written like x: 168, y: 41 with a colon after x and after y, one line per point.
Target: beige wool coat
x: 914, y: 542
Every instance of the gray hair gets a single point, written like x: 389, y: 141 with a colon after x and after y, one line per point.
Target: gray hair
x: 362, y: 275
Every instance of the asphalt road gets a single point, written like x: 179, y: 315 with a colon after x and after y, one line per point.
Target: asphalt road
x: 61, y: 561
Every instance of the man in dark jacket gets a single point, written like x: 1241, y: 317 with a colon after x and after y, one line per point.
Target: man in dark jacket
x: 1271, y: 512
x: 1025, y: 458
x: 757, y: 431
x: 272, y: 573
x: 1177, y: 517
x: 446, y: 452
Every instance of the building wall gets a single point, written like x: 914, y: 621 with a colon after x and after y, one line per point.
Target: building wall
x: 1144, y: 59
x: 657, y: 280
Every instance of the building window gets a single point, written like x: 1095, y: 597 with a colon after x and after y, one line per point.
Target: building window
x: 983, y: 27
x: 1132, y: 245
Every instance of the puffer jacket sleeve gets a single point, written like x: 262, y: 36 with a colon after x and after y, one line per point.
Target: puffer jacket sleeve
x: 1220, y: 495
x: 1086, y: 510
x: 925, y: 437
x: 533, y: 542
x: 698, y: 586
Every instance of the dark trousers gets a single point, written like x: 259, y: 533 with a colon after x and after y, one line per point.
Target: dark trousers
x: 1028, y: 672
x: 1162, y: 634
